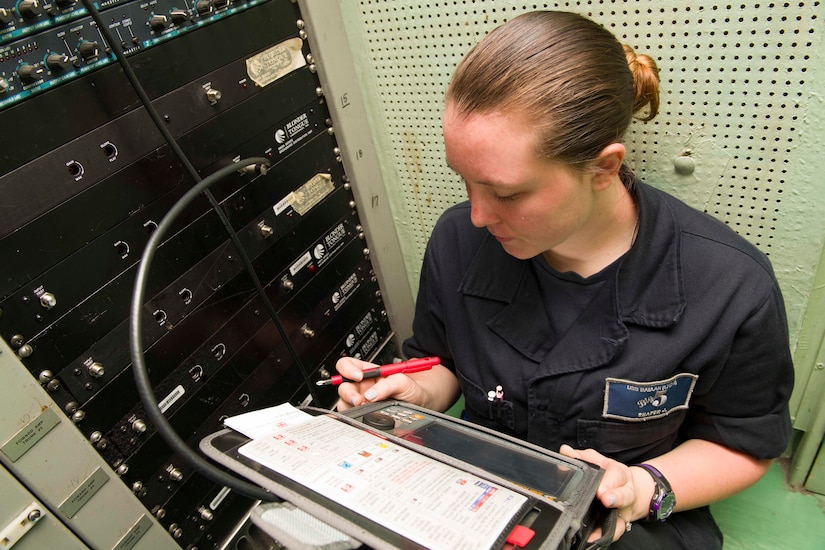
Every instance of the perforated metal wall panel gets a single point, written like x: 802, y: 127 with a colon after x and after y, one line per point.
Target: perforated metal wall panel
x: 741, y: 96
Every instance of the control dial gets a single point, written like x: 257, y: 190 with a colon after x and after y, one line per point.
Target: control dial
x: 179, y: 17
x: 4, y: 85
x: 89, y: 50
x: 6, y: 17
x: 205, y: 7
x: 159, y: 22
x: 28, y: 73
x: 29, y: 9
x: 57, y: 61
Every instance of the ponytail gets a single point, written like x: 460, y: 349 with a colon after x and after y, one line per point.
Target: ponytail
x: 645, y: 83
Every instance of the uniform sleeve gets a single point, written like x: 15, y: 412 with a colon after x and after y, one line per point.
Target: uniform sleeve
x: 429, y: 332
x: 747, y: 406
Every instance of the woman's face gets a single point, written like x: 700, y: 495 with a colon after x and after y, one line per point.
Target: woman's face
x: 529, y: 205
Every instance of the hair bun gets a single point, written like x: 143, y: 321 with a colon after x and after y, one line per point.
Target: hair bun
x: 645, y: 82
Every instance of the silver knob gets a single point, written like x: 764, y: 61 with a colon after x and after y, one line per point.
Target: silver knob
x: 96, y: 370
x: 174, y: 473
x: 48, y: 300
x: 213, y: 96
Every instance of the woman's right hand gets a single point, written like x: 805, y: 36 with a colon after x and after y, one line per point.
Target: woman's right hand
x: 435, y: 389
x: 352, y: 394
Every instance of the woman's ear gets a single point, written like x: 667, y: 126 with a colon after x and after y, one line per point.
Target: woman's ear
x: 607, y: 164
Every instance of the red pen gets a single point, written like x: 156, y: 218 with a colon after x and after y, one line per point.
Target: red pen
x: 413, y: 365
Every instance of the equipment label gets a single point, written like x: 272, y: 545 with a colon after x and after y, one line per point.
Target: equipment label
x: 84, y: 493
x: 130, y: 539
x: 33, y: 432
x: 311, y: 193
x: 279, y: 60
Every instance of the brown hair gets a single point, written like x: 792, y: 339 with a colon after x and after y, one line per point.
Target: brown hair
x: 564, y: 72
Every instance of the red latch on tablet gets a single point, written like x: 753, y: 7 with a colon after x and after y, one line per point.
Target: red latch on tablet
x: 520, y: 536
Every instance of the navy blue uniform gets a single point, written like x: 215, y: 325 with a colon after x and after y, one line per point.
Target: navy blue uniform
x: 685, y: 337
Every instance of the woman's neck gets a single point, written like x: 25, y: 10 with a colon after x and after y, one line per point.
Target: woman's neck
x: 607, y: 235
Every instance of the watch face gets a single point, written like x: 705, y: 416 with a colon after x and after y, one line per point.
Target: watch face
x: 666, y: 506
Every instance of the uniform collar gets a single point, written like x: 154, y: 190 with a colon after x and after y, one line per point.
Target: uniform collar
x: 648, y: 288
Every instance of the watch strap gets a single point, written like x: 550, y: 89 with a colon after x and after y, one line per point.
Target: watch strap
x: 663, y: 500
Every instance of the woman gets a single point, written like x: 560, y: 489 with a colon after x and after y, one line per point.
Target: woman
x: 580, y: 309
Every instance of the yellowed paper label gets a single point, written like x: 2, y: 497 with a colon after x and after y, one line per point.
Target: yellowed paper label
x: 311, y: 193
x: 279, y: 60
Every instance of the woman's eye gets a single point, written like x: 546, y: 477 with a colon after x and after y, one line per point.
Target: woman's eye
x: 506, y: 198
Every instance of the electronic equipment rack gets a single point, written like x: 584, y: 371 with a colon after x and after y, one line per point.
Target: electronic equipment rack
x: 86, y: 176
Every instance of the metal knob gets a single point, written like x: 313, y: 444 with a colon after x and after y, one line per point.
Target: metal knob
x: 174, y: 473
x: 213, y: 96
x: 96, y: 370
x: 48, y: 300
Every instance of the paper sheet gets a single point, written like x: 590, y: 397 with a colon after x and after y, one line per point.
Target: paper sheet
x: 267, y: 422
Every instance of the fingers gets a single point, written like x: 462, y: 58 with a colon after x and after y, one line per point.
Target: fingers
x: 374, y: 389
x: 616, y: 489
x: 623, y: 525
x: 352, y: 368
x: 352, y: 394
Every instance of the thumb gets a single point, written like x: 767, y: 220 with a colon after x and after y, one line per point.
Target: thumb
x: 567, y: 450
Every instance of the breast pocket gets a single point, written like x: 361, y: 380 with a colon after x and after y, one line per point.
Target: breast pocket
x: 482, y: 407
x: 630, y: 442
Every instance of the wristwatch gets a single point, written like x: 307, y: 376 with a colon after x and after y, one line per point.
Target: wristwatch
x: 663, y: 501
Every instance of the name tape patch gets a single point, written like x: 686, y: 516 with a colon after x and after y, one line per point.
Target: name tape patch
x: 640, y: 401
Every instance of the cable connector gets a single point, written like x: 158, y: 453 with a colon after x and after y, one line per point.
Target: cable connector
x: 256, y: 169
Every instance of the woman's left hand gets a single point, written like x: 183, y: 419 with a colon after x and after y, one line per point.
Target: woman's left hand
x: 619, y: 489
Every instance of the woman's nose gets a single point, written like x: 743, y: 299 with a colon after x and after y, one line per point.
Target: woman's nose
x: 481, y: 212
